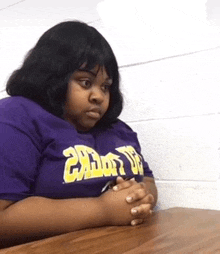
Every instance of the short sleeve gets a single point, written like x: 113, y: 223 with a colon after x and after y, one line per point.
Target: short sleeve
x: 128, y: 134
x: 19, y: 160
x: 147, y: 171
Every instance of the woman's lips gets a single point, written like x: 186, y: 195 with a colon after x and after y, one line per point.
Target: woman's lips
x: 93, y: 114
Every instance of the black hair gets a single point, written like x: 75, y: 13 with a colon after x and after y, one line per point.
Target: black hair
x: 61, y: 50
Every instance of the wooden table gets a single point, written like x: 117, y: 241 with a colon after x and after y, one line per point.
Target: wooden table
x: 176, y: 230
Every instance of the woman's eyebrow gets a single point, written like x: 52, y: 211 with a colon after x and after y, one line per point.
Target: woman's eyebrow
x: 109, y: 80
x: 88, y: 71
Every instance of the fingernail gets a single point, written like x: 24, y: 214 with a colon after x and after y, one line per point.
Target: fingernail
x: 133, y: 223
x: 115, y: 188
x: 132, y: 179
x: 134, y: 211
x: 129, y: 199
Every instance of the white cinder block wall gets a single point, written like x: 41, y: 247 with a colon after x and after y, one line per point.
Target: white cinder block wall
x: 169, y: 58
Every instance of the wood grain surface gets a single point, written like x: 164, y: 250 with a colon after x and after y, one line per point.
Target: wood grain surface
x: 176, y: 230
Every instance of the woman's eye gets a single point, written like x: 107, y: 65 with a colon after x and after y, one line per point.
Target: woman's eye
x: 85, y: 83
x: 106, y: 87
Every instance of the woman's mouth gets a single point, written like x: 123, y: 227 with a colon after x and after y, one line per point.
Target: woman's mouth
x: 93, y: 114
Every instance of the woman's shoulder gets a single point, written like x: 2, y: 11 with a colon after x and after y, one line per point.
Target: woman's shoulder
x: 120, y: 125
x: 18, y: 104
x: 25, y: 114
x: 121, y: 129
x: 18, y: 107
x: 22, y: 115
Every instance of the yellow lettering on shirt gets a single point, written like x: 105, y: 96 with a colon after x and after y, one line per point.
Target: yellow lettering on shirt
x: 110, y: 166
x: 133, y: 157
x: 85, y: 170
x: 96, y: 164
x: 92, y: 165
x: 70, y: 173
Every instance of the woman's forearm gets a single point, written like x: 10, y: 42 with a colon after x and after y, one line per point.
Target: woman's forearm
x: 38, y: 217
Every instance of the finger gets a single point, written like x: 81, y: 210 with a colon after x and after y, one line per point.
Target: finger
x: 135, y: 186
x: 141, y: 211
x: 136, y: 222
x: 136, y: 195
x: 151, y: 212
x: 119, y: 180
x: 123, y: 184
x: 138, y: 185
x: 148, y: 199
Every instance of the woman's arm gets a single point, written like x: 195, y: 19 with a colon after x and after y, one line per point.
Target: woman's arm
x: 148, y: 186
x: 38, y: 217
x: 4, y: 204
x: 145, y: 192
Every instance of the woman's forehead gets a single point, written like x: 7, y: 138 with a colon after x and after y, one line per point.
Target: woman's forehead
x: 94, y: 69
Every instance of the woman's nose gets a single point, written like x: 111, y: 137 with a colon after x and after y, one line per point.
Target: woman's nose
x: 96, y: 95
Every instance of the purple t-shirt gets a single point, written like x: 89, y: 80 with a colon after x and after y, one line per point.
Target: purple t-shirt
x: 44, y: 155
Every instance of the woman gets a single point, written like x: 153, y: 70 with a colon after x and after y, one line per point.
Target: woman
x: 62, y: 144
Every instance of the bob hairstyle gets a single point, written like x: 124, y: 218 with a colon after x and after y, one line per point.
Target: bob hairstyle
x: 60, y: 51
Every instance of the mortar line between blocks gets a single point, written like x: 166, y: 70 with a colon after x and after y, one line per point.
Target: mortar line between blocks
x: 166, y: 58
x: 11, y: 5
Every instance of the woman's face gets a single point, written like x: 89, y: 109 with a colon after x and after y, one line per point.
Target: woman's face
x: 88, y: 96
